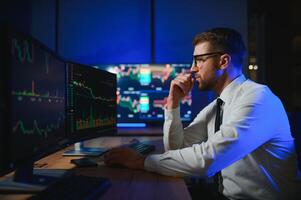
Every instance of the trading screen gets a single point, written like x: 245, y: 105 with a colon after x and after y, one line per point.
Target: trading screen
x: 91, y: 99
x: 37, y: 95
x: 142, y: 91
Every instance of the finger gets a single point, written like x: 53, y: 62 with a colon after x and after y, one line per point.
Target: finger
x: 117, y: 150
x: 184, y: 85
x: 181, y: 81
x: 191, y: 85
x: 180, y: 85
x: 185, y: 78
x: 113, y: 160
x: 113, y: 155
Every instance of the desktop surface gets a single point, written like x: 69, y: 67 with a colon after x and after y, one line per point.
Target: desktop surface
x: 125, y: 183
x: 75, y: 187
x: 141, y: 131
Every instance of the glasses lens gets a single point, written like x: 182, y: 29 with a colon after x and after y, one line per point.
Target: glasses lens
x: 200, y: 59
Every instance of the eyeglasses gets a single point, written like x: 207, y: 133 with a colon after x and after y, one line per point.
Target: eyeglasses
x: 198, y: 60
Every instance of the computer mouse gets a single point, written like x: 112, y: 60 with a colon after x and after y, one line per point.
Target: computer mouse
x: 84, y: 162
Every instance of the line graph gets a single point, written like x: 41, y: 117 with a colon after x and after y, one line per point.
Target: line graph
x: 167, y: 73
x: 127, y: 102
x: 87, y: 92
x: 23, y: 54
x: 37, y: 129
x: 131, y: 72
x: 160, y: 103
x: 33, y: 93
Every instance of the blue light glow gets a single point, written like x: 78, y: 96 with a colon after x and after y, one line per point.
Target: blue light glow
x: 131, y: 125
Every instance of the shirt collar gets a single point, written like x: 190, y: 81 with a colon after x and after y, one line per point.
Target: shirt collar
x: 227, y: 92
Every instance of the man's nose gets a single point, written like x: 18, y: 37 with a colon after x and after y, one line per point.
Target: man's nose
x: 194, y: 68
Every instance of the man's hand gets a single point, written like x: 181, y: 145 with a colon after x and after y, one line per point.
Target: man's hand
x: 179, y: 88
x: 124, y: 156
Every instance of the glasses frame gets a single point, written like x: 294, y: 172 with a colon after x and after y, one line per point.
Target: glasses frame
x: 209, y: 55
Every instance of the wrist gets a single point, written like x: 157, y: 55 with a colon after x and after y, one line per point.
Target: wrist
x: 172, y: 102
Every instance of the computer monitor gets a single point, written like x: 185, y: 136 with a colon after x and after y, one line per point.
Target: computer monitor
x: 142, y: 91
x: 91, y: 106
x: 3, y: 164
x: 35, y: 106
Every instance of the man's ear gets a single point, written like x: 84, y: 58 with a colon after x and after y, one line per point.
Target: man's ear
x: 225, y: 61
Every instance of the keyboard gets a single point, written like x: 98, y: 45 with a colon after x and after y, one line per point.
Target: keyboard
x: 142, y: 148
x: 75, y: 187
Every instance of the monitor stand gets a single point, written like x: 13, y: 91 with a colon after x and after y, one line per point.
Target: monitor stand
x: 81, y: 150
x: 27, y: 180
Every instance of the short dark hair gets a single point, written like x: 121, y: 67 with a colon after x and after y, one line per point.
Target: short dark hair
x: 226, y: 40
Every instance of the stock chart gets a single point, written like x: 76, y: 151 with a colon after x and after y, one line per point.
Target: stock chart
x: 143, y: 89
x: 37, y: 93
x: 91, y: 98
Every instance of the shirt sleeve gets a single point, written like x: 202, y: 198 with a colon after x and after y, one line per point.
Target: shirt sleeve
x: 176, y: 137
x: 249, y: 125
x: 177, y: 144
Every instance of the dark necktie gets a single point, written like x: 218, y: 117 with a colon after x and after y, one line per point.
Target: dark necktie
x: 218, y: 122
x: 218, y: 115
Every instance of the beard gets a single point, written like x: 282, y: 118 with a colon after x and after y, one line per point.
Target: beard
x: 206, y: 85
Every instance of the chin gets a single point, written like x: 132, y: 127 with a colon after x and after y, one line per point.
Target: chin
x: 204, y: 87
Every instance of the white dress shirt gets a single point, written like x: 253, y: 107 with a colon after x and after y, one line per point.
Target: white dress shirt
x: 253, y: 149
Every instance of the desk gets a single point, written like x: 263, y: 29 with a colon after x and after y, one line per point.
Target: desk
x: 126, y: 183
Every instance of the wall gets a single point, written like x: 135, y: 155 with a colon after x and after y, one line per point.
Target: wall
x: 34, y: 17
x: 119, y: 31
x: 43, y: 22
x: 104, y: 32
x: 178, y: 21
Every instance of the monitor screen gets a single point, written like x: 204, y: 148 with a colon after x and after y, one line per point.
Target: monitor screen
x: 142, y: 91
x: 91, y: 102
x: 36, y: 98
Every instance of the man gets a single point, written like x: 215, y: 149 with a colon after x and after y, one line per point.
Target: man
x: 243, y: 137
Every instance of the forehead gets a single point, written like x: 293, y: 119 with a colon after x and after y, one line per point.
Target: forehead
x: 201, y: 48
